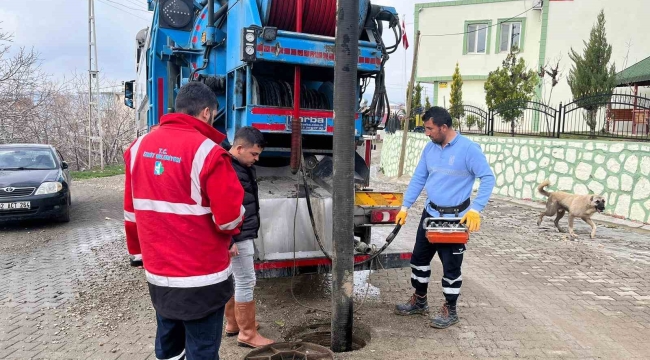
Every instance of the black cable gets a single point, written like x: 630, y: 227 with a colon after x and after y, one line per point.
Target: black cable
x: 219, y: 14
x: 137, y: 3
x: 206, y: 60
x: 311, y: 213
x: 380, y: 104
x: 130, y: 13
x: 398, y: 38
x: 233, y: 5
x: 293, y: 273
x: 128, y: 7
x: 389, y: 239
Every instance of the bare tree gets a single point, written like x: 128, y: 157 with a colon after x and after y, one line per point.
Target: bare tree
x: 21, y: 90
x: 550, y: 76
x: 36, y: 109
x: 118, y: 121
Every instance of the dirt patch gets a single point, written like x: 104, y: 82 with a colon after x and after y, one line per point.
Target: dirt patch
x: 114, y: 294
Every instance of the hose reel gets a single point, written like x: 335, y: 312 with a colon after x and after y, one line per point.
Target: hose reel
x: 276, y: 92
x: 319, y: 16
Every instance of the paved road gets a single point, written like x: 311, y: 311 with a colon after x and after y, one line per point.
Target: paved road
x: 67, y: 292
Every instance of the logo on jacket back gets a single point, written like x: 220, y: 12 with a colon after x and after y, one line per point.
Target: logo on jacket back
x: 159, y: 168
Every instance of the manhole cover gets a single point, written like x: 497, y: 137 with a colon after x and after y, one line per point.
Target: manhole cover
x: 291, y: 351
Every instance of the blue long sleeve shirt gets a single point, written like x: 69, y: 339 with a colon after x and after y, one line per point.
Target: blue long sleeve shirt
x: 448, y: 175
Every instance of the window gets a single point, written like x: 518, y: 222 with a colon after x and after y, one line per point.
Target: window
x: 21, y: 158
x: 477, y: 38
x: 477, y: 35
x: 510, y: 36
x: 510, y: 33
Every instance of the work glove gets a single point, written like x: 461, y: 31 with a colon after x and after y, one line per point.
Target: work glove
x: 472, y: 219
x: 401, y: 216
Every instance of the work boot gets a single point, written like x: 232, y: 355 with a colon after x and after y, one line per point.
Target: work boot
x: 231, y: 322
x: 416, y: 305
x: 232, y: 328
x: 445, y: 318
x: 248, y: 335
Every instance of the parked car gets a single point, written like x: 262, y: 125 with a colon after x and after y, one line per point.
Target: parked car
x: 34, y: 183
x: 418, y: 129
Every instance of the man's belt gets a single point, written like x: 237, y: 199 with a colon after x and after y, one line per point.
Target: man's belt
x: 455, y: 210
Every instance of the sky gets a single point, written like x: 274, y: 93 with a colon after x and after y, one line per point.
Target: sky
x: 61, y: 37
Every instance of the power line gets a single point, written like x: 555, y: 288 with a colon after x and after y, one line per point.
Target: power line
x: 483, y: 28
x: 136, y: 3
x: 128, y: 7
x: 132, y: 14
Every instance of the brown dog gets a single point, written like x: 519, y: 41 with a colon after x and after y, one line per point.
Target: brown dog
x: 581, y: 206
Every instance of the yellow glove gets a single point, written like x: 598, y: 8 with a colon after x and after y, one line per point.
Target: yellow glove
x: 401, y: 216
x: 472, y: 219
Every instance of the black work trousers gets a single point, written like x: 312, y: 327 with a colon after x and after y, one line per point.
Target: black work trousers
x: 451, y: 256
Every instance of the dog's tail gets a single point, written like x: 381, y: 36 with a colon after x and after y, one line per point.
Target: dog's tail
x: 541, y: 187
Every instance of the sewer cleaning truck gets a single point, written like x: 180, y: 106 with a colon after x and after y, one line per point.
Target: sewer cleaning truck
x: 269, y: 63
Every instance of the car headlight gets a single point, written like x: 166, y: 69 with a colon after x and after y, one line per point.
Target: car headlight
x: 49, y: 188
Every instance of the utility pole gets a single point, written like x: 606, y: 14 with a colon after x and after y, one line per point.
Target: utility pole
x: 94, y: 116
x: 345, y: 89
x: 409, y: 100
x: 404, y: 17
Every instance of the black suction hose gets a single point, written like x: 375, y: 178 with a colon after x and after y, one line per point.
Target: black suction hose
x: 222, y: 10
x: 211, y: 13
x: 389, y: 239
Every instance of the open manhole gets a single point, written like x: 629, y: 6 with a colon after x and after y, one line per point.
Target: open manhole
x: 291, y: 351
x: 321, y: 334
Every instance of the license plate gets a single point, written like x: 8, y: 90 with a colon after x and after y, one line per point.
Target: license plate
x: 23, y: 205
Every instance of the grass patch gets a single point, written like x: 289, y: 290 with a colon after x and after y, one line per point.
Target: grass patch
x: 110, y: 170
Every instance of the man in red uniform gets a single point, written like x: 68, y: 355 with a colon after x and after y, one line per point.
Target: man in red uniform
x: 182, y: 205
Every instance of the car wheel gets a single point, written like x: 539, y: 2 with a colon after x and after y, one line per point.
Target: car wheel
x: 66, y: 216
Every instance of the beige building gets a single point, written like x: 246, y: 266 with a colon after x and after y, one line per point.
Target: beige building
x: 478, y: 34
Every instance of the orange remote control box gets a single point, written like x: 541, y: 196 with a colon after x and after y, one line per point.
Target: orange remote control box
x: 445, y: 231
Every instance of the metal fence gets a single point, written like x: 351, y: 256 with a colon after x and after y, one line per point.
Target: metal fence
x: 612, y: 116
x: 521, y: 117
x: 618, y: 115
x: 475, y: 120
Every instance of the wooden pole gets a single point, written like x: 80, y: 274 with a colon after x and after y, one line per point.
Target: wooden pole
x: 409, y: 100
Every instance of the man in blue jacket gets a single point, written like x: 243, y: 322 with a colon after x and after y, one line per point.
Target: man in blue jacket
x: 447, y: 170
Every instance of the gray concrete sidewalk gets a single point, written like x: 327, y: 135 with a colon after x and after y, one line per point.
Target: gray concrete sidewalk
x: 68, y: 293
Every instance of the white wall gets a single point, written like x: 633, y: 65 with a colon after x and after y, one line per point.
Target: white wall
x: 439, y: 54
x: 570, y: 24
x: 473, y: 93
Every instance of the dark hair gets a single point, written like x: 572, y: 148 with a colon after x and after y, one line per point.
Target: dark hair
x: 195, y: 96
x: 440, y: 116
x: 249, y: 136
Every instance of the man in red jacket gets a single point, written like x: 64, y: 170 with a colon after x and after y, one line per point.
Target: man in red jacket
x: 182, y: 205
